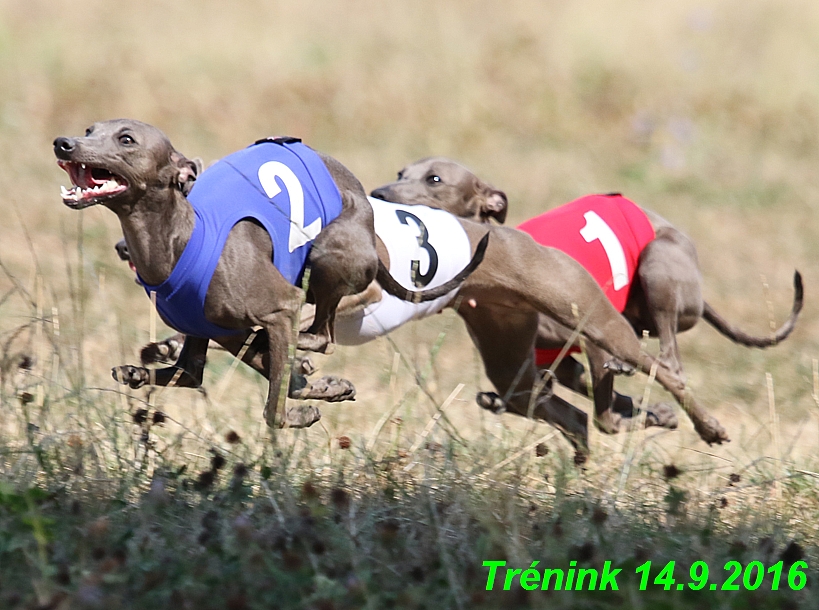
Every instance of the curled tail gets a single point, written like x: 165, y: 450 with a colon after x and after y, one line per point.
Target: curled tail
x: 743, y: 338
x: 390, y: 284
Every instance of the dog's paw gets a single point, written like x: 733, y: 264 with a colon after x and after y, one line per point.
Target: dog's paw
x: 611, y: 422
x: 304, y: 366
x: 328, y: 389
x: 662, y: 415
x: 619, y: 367
x: 710, y: 430
x: 309, y: 342
x: 133, y: 376
x: 491, y: 402
x: 162, y: 351
x: 301, y: 416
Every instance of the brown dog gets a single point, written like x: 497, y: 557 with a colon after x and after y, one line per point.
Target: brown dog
x: 666, y: 299
x: 132, y: 169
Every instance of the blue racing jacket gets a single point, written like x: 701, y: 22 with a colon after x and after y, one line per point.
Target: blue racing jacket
x: 282, y: 184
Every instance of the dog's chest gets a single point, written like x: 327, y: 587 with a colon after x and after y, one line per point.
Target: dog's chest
x: 427, y: 248
x: 604, y: 233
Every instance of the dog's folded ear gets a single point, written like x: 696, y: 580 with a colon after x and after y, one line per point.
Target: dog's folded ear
x: 495, y: 205
x: 186, y: 171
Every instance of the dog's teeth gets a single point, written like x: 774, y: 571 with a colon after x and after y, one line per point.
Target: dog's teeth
x: 64, y: 191
x: 82, y: 165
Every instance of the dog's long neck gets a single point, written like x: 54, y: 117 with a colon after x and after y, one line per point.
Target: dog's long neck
x: 157, y: 234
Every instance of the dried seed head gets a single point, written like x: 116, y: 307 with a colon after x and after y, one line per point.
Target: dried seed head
x: 159, y: 417
x: 737, y: 548
x: 767, y: 546
x: 309, y: 491
x: 723, y: 502
x: 339, y: 497
x: 599, y: 515
x: 792, y: 553
x: 205, y: 480
x: 582, y: 553
x: 26, y: 397
x: 217, y: 461
x: 240, y: 471
x: 233, y: 438
x: 541, y: 449
x: 670, y: 471
x: 344, y: 442
x: 140, y: 416
x: 733, y: 478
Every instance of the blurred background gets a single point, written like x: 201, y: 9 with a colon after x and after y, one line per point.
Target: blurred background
x: 704, y: 111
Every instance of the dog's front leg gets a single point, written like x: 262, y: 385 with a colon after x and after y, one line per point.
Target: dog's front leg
x: 343, y: 261
x: 280, y: 327
x: 186, y: 373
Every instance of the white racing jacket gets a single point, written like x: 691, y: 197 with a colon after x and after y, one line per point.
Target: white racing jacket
x: 427, y: 247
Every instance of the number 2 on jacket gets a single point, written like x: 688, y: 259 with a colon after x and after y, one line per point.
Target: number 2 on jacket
x: 299, y: 234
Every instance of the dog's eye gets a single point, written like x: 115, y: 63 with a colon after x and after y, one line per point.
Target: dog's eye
x: 88, y: 132
x: 400, y: 175
x: 126, y: 140
x: 433, y: 179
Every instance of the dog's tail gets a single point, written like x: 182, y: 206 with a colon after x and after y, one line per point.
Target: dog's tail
x: 743, y: 338
x: 390, y: 284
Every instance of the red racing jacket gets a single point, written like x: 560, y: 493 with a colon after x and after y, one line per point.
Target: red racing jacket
x: 605, y: 234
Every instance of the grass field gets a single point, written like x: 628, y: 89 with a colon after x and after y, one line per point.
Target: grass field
x: 707, y: 112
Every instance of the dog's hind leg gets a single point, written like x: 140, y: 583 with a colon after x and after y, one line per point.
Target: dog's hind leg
x: 601, y: 324
x: 343, y: 261
x: 670, y: 280
x: 505, y: 340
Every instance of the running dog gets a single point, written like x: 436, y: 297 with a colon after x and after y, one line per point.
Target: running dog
x: 225, y: 250
x: 647, y: 268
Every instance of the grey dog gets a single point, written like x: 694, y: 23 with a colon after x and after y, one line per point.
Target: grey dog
x: 665, y: 299
x: 131, y: 168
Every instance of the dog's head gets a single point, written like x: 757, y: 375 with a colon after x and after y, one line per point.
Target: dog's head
x: 442, y: 183
x: 117, y: 163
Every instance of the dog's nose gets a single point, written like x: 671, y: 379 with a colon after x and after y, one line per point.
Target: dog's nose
x: 64, y: 146
x: 380, y: 193
x: 122, y: 250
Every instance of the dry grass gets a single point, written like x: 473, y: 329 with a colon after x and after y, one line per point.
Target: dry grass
x: 707, y: 113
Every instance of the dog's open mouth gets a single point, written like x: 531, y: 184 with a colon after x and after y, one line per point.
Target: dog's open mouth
x: 90, y: 184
